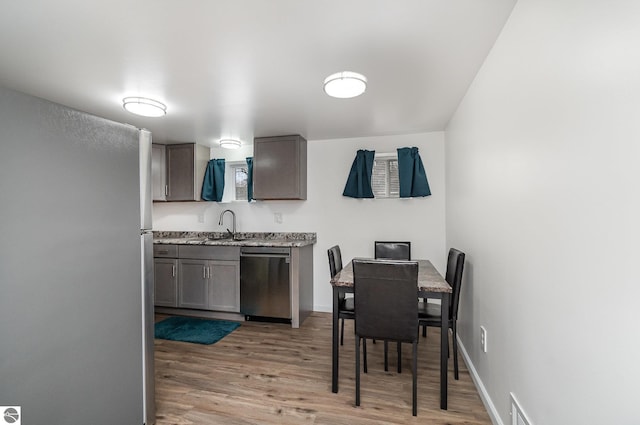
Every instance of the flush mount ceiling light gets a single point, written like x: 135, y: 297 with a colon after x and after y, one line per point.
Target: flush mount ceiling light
x: 144, y: 106
x: 230, y: 143
x: 345, y: 84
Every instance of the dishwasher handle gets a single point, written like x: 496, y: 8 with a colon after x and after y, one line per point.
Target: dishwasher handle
x: 264, y: 251
x: 265, y: 255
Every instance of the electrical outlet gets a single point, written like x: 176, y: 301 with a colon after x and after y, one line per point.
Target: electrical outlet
x: 201, y: 217
x: 483, y: 339
x: 277, y: 217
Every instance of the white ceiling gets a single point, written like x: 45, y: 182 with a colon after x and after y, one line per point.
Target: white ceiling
x: 245, y: 68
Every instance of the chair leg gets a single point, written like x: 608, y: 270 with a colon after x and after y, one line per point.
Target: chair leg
x: 424, y: 331
x: 386, y: 357
x: 455, y: 350
x: 414, y: 359
x: 364, y: 353
x: 448, y: 349
x: 357, y: 370
x: 342, y: 333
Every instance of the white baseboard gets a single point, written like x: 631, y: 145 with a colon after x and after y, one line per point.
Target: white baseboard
x: 484, y: 396
x: 323, y: 308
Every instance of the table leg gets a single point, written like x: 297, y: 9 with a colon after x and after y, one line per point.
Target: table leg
x: 444, y: 349
x: 334, y: 342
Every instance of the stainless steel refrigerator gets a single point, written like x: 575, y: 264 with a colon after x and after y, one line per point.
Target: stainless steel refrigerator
x: 76, y: 275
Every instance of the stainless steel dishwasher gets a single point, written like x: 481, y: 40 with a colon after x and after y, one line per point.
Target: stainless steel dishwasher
x: 264, y: 283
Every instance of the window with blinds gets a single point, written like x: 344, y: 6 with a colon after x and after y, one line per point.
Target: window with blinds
x: 240, y: 182
x: 385, y: 181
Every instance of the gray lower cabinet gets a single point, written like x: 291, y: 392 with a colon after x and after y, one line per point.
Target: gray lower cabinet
x: 209, y: 285
x: 224, y: 286
x: 197, y: 277
x: 166, y: 282
x: 193, y: 284
x: 165, y: 270
x: 207, y: 278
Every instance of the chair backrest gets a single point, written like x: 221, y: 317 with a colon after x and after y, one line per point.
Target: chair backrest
x: 386, y: 299
x: 455, y: 267
x: 392, y: 250
x: 335, y: 260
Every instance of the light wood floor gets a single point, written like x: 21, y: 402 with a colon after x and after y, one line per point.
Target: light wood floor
x: 265, y: 373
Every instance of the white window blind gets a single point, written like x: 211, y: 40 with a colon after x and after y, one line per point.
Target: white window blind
x: 385, y: 181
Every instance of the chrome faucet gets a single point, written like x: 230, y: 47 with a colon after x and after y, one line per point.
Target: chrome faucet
x: 232, y: 234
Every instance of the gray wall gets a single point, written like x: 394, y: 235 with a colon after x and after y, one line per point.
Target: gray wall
x: 542, y: 193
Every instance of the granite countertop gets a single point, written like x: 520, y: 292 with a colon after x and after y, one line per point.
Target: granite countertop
x: 240, y: 239
x: 429, y: 280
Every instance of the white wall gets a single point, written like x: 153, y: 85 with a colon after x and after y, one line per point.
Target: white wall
x: 543, y: 177
x: 352, y: 223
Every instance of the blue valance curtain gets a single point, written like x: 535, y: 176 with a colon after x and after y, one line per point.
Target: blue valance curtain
x: 413, y: 177
x: 213, y: 184
x: 249, y: 178
x: 359, y: 180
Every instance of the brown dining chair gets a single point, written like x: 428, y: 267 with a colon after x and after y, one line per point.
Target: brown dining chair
x: 392, y: 250
x: 429, y: 313
x: 386, y: 309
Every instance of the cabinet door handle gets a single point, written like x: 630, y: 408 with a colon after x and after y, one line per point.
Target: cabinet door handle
x: 204, y: 272
x: 208, y: 272
x: 173, y: 271
x: 166, y: 190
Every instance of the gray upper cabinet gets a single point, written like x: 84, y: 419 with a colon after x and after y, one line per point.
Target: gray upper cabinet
x: 280, y: 167
x: 185, y: 166
x: 158, y: 172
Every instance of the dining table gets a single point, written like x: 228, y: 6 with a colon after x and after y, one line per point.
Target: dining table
x: 431, y: 284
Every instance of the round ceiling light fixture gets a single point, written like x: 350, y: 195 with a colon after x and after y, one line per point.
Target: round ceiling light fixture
x: 144, y: 107
x: 230, y: 143
x: 345, y: 84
